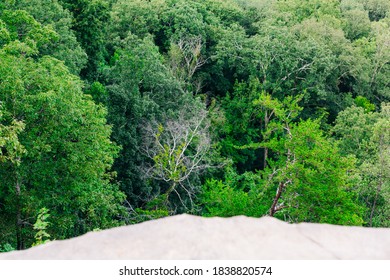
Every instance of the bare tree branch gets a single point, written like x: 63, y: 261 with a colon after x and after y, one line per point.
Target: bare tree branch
x: 177, y: 151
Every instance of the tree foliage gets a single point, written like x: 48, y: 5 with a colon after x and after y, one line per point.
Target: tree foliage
x: 120, y: 111
x: 365, y: 135
x: 66, y: 48
x: 56, y: 143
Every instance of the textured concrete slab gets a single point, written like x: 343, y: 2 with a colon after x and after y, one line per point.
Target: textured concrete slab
x: 191, y: 237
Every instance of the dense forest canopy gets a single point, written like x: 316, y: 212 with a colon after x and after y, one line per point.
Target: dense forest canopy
x: 115, y: 112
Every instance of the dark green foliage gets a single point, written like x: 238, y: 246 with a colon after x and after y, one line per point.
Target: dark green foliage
x: 6, y: 248
x: 66, y: 47
x: 65, y: 153
x: 130, y: 81
x: 236, y: 195
x: 98, y: 92
x: 240, y: 126
x: 90, y: 22
x: 365, y: 135
x: 303, y: 168
x: 141, y: 88
x: 319, y: 190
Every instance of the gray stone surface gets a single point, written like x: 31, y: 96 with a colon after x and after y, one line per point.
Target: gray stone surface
x: 190, y: 237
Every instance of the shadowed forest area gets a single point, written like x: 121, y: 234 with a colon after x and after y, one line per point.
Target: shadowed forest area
x: 115, y: 112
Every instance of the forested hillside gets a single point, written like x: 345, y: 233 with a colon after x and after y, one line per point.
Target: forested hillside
x: 115, y: 112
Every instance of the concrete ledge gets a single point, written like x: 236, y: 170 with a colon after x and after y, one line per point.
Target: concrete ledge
x: 190, y: 237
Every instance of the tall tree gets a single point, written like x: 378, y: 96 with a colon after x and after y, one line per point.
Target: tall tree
x: 141, y: 89
x: 90, y: 22
x: 365, y: 135
x: 66, y: 47
x: 68, y: 152
x: 177, y: 150
x: 311, y: 178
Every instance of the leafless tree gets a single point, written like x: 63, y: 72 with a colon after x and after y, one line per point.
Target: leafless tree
x: 177, y: 151
x: 186, y: 57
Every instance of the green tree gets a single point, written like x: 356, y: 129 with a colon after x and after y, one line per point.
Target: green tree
x: 235, y: 195
x: 354, y: 128
x: 306, y: 169
x: 90, y: 22
x: 365, y: 135
x: 370, y: 70
x: 377, y: 170
x: 176, y: 25
x: 51, y: 13
x: 377, y: 9
x: 357, y: 22
x: 68, y: 152
x: 10, y: 147
x: 22, y: 34
x: 312, y: 179
x: 141, y: 89
x: 289, y: 60
x: 41, y: 224
x: 237, y: 124
x: 139, y: 17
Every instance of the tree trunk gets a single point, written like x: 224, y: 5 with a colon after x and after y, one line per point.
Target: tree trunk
x: 266, y: 121
x: 273, y: 209
x: 265, y: 158
x: 380, y: 183
x: 171, y: 189
x: 19, y: 221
